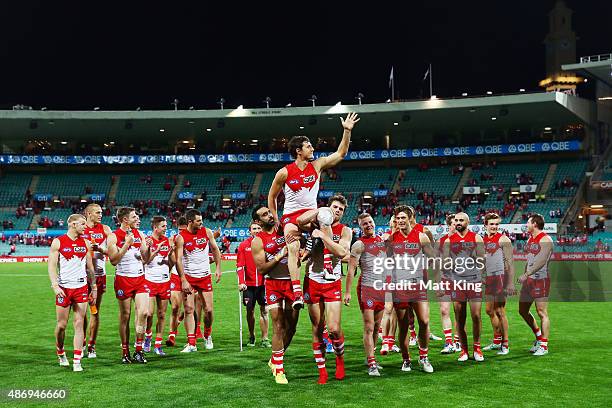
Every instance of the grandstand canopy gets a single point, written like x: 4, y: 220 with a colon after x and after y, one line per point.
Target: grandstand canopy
x: 403, y: 121
x: 596, y: 67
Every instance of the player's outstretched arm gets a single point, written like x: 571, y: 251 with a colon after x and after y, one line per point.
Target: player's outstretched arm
x: 508, y: 252
x: 356, y: 251
x: 52, y: 267
x: 333, y: 159
x: 275, y: 189
x: 216, y: 254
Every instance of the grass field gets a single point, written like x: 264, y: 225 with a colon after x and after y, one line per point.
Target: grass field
x: 577, y: 372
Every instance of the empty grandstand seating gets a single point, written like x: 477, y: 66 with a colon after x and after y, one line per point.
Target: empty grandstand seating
x: 13, y: 187
x: 572, y: 171
x: 73, y: 184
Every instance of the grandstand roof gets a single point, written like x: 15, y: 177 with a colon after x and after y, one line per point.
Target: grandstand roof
x: 596, y: 66
x: 527, y: 110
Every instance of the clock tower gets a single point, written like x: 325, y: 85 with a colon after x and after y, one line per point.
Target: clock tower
x: 560, y: 45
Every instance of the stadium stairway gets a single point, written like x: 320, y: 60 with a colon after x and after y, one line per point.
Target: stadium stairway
x: 256, y: 184
x: 398, y: 184
x: 34, y: 223
x: 177, y: 188
x: 518, y: 217
x: 34, y: 184
x: 467, y: 174
x: 113, y: 191
x: 548, y: 178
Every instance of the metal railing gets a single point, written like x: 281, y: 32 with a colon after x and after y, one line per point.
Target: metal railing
x: 596, y: 58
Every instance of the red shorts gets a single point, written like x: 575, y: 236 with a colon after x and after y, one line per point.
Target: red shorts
x: 76, y: 295
x: 291, y: 218
x: 534, y: 289
x: 175, y: 283
x: 315, y: 292
x: 278, y: 290
x: 127, y: 287
x: 465, y: 294
x: 403, y: 298
x: 494, y: 287
x: 370, y: 298
x: 200, y: 284
x: 101, y: 283
x: 161, y: 290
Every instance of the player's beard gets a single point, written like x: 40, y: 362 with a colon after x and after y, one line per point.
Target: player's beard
x: 459, y: 228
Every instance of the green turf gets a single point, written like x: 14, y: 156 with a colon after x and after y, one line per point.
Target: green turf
x: 577, y: 372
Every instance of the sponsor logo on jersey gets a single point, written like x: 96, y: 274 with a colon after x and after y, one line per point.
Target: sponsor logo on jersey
x: 309, y: 179
x: 200, y: 241
x: 96, y: 236
x: 80, y: 250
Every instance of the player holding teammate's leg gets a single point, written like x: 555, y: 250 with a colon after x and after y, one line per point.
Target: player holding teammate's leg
x: 499, y: 281
x: 270, y: 255
x: 535, y: 283
x: 176, y: 292
x: 71, y: 270
x: 127, y: 250
x: 324, y: 295
x: 192, y: 247
x: 157, y: 276
x: 96, y: 233
x: 466, y: 249
x: 251, y: 284
x: 369, y: 253
x: 409, y: 248
x: 444, y: 297
x: 300, y: 183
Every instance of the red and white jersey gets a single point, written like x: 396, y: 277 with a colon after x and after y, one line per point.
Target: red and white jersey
x: 373, y: 248
x: 245, y: 265
x: 157, y: 270
x: 534, y: 253
x: 301, y: 188
x: 411, y: 262
x: 494, y: 255
x: 72, y: 262
x: 315, y: 266
x: 446, y: 272
x: 96, y: 235
x: 273, y: 243
x: 195, y: 253
x: 131, y: 263
x: 461, y: 249
x: 418, y: 227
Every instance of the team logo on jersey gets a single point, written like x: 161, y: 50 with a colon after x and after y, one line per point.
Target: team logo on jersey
x: 534, y: 248
x: 294, y: 181
x: 66, y: 249
x: 172, y: 285
x: 137, y: 240
x: 309, y: 179
x: 336, y: 238
x: 60, y: 299
x: 270, y: 245
x: 286, y: 220
x: 491, y: 247
x: 273, y: 297
x: 120, y: 292
x: 370, y: 303
x: 306, y: 296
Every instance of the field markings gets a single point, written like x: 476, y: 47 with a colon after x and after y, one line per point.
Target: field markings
x: 13, y: 275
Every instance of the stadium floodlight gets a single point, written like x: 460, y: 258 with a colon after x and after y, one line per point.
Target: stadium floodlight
x: 359, y: 97
x: 288, y: 105
x: 489, y: 93
x: 395, y: 124
x: 464, y: 94
x: 191, y: 108
x: 547, y: 128
x: 44, y: 108
x: 596, y: 205
x: 433, y: 97
x: 493, y: 118
x: 175, y: 102
x: 208, y: 129
x: 97, y: 108
x: 388, y: 101
x: 313, y: 99
x: 522, y: 90
x: 64, y: 142
x: 220, y: 102
x: 162, y: 130
x: 301, y: 127
x: 267, y: 101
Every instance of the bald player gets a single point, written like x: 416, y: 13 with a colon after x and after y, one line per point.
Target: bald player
x: 466, y: 251
x: 96, y: 233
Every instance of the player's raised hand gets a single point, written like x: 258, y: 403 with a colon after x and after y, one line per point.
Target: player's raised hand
x: 350, y: 121
x: 217, y: 233
x: 149, y: 241
x: 129, y: 238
